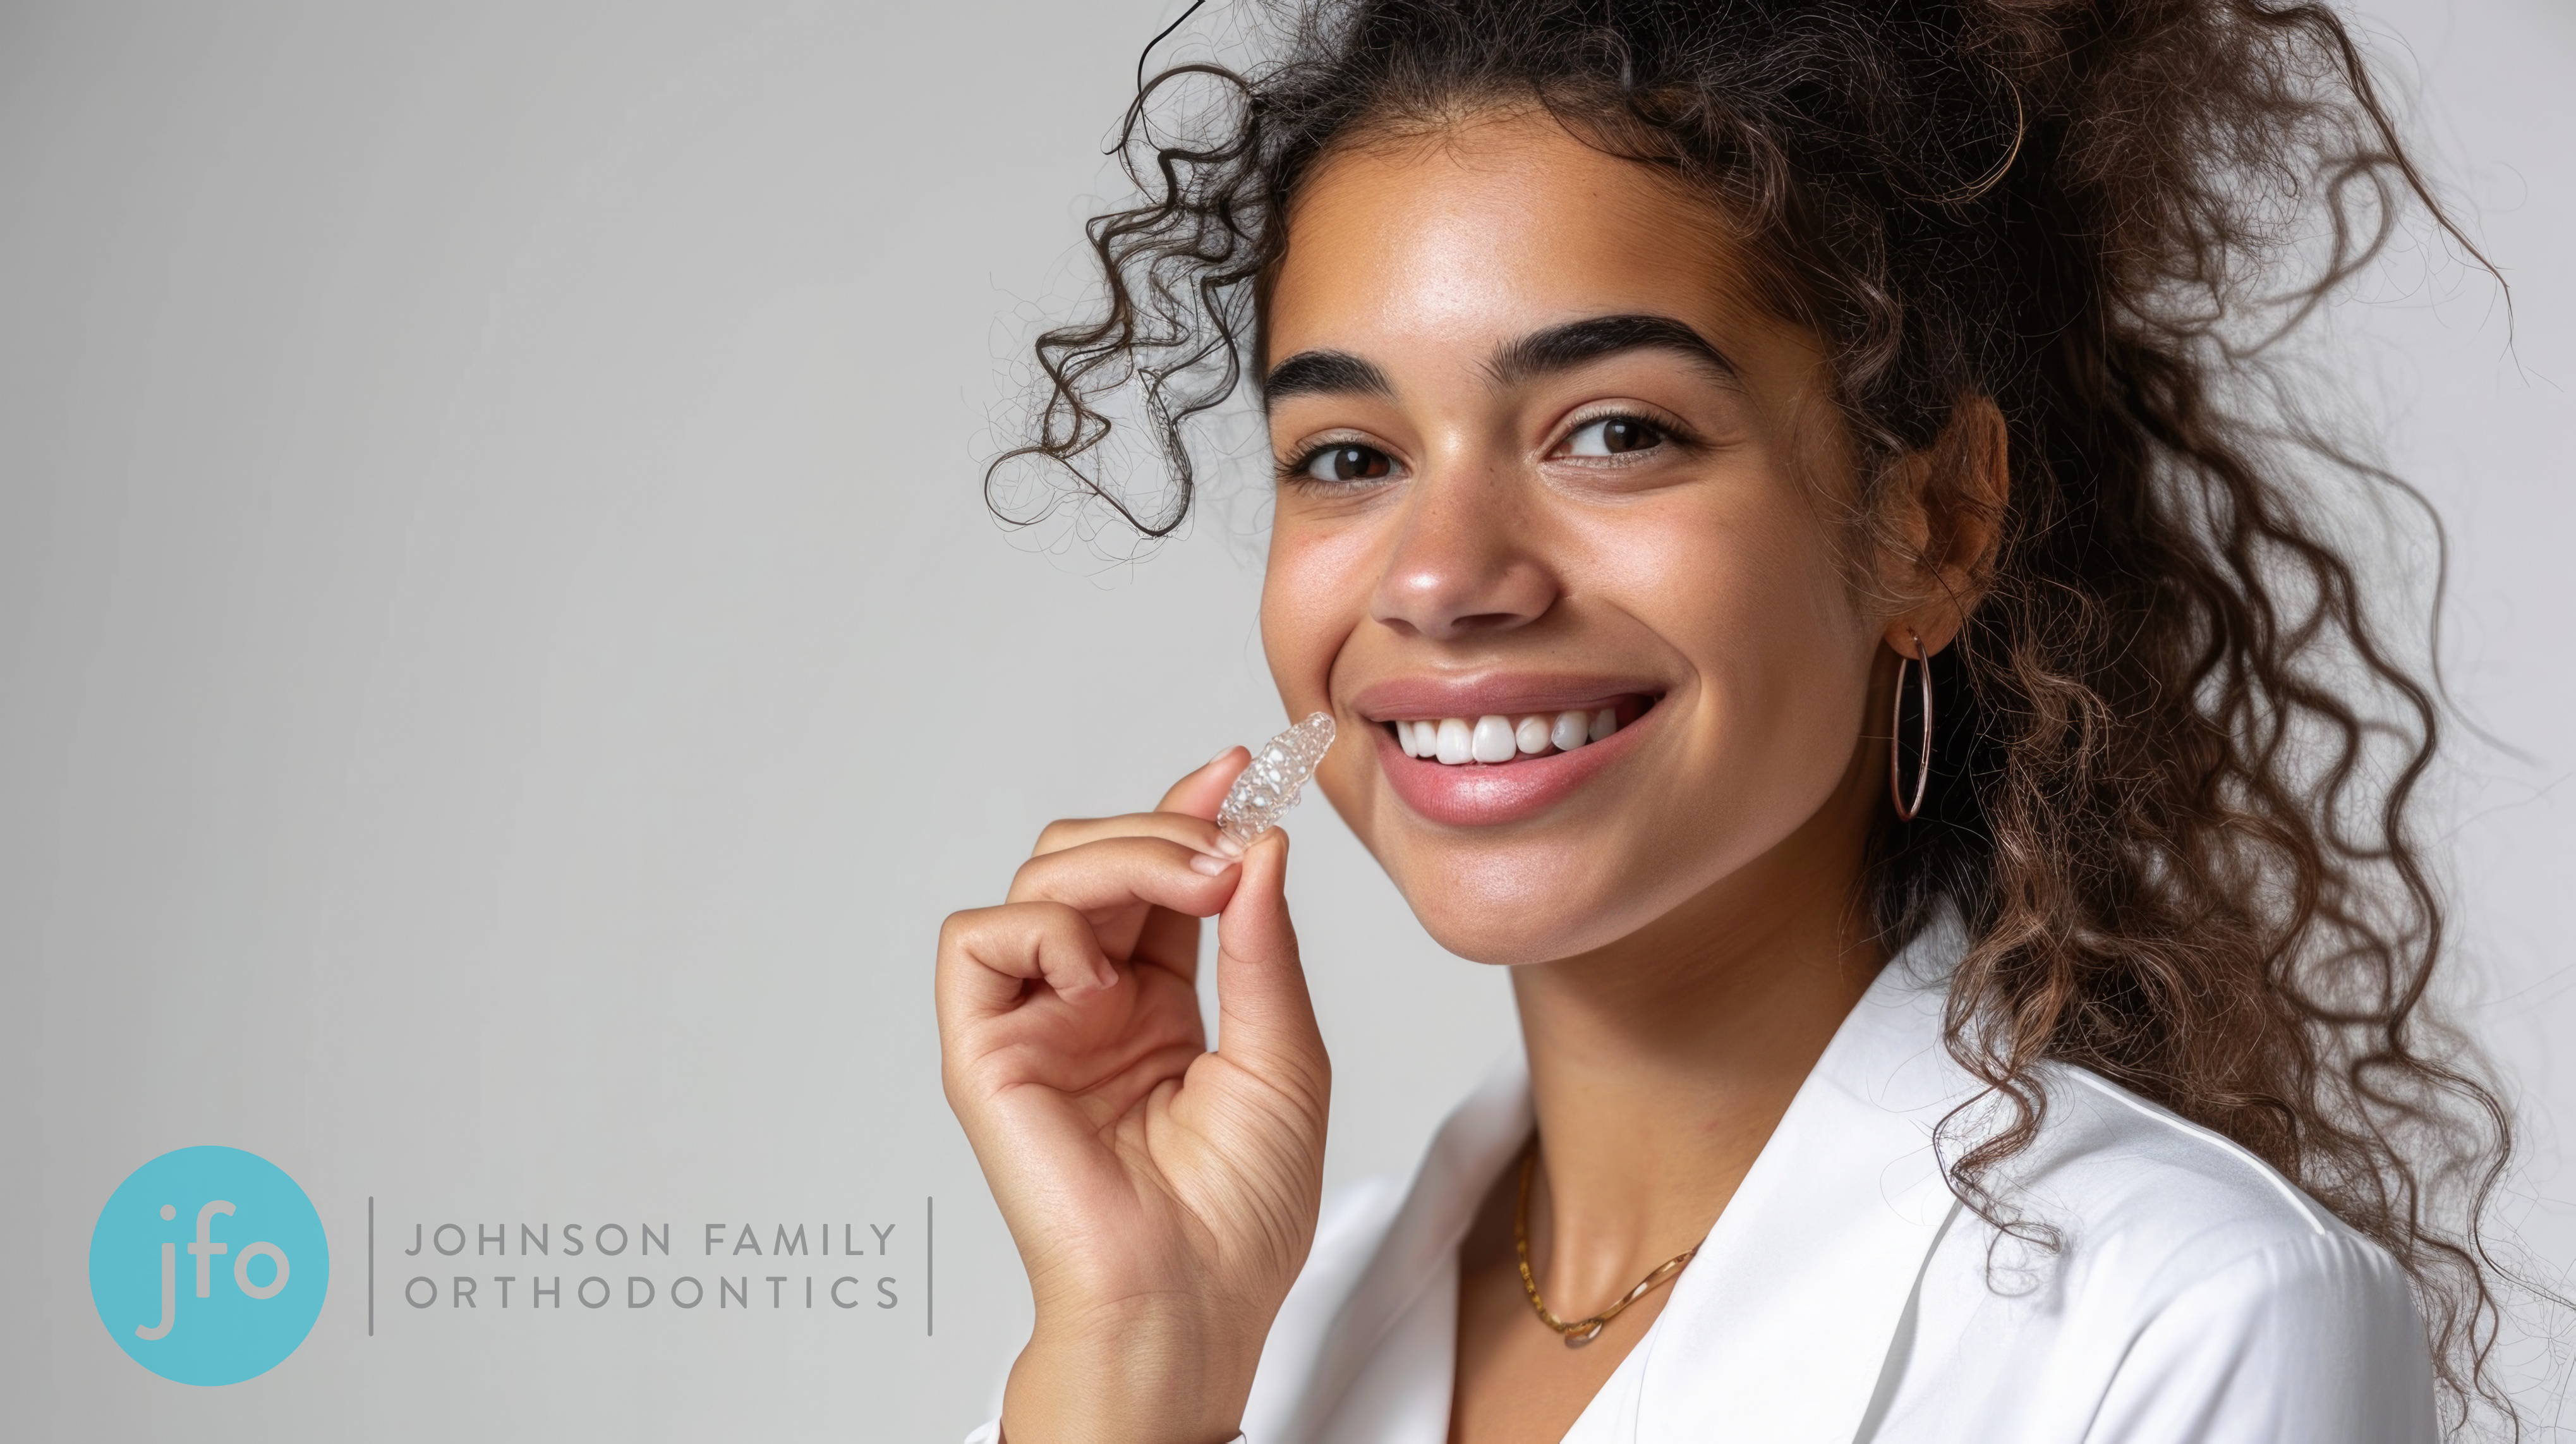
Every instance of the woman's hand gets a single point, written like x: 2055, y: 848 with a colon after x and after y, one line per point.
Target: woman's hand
x: 1163, y: 1196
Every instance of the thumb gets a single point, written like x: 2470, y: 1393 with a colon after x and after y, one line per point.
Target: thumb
x: 1265, y: 1016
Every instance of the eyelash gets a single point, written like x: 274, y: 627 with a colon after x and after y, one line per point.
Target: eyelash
x: 1672, y: 432
x: 1293, y: 472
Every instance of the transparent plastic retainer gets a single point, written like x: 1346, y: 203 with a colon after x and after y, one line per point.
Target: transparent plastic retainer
x: 1269, y: 787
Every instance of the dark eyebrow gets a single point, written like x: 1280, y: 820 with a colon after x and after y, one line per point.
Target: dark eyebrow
x: 1325, y: 373
x: 1562, y: 348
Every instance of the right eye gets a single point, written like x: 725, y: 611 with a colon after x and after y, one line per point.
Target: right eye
x: 1348, y: 462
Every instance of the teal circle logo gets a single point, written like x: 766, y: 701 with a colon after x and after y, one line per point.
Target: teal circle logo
x: 208, y: 1265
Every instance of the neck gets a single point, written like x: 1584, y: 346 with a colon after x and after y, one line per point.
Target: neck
x: 1660, y: 1065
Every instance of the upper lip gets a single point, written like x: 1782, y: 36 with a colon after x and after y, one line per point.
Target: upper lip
x: 1488, y: 694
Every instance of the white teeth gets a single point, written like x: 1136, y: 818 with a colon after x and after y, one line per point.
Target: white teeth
x: 1532, y: 735
x: 1455, y: 746
x: 1493, y: 740
x: 1572, y: 730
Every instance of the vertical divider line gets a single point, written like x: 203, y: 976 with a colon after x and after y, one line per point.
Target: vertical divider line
x: 371, y: 1265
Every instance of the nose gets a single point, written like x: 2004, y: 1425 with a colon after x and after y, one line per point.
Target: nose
x: 1465, y: 561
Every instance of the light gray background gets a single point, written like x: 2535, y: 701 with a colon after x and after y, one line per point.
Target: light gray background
x: 506, y: 666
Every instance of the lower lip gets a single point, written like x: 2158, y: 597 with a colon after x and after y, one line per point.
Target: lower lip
x: 1486, y: 795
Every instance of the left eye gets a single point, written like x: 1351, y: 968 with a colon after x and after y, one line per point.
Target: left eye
x: 1613, y: 436
x: 1349, y: 462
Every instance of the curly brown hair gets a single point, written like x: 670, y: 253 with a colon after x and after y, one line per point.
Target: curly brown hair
x: 2178, y: 758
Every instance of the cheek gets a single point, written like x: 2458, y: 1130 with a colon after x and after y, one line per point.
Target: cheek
x: 1728, y: 584
x: 1755, y: 601
x: 1314, y: 591
x: 1783, y: 627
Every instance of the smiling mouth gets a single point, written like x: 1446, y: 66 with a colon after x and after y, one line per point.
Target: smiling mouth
x: 1498, y: 739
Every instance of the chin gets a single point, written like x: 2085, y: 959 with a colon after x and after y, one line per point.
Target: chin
x: 1509, y: 910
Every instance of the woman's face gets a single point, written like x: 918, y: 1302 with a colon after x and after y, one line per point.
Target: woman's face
x: 1543, y: 459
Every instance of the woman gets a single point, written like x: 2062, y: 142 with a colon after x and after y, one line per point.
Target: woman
x: 1772, y: 497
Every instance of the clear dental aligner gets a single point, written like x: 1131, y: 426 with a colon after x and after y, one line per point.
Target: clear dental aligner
x: 1278, y: 773
x: 1458, y: 741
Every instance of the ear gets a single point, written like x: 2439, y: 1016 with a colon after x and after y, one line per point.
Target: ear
x: 1941, y: 523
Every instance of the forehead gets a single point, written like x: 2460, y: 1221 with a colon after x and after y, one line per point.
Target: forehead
x: 1483, y: 229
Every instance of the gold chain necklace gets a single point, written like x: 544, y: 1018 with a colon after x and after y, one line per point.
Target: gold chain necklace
x: 1580, y: 1331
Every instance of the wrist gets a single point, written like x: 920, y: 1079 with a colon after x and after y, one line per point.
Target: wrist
x: 1132, y: 1376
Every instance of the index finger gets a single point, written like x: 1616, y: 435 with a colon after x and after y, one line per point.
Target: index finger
x: 1190, y: 832
x: 1186, y: 815
x: 1199, y: 794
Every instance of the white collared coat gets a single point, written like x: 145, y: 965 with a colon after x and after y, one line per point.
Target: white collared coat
x: 2193, y: 1295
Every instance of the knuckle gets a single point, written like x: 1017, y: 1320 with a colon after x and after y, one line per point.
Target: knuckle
x: 1031, y: 875
x: 978, y: 934
x: 960, y: 927
x: 1049, y: 916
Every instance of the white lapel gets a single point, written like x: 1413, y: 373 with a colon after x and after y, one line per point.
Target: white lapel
x: 1418, y: 1252
x: 1779, y: 1329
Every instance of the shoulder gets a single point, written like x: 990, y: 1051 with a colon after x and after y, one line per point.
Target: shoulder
x: 2149, y: 1205
x: 2120, y: 1197
x: 2174, y: 1285
x: 2117, y: 1167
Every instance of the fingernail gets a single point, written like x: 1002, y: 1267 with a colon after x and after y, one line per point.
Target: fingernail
x: 1227, y: 847
x: 1219, y: 757
x: 1211, y: 866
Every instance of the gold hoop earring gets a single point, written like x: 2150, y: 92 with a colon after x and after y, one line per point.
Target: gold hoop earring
x: 1905, y: 810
